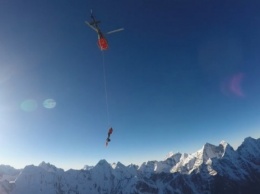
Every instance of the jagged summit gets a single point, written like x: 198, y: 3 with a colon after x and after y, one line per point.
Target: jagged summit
x: 250, y: 139
x: 210, y: 151
x: 250, y: 149
x: 119, y: 165
x: 224, y: 143
x: 251, y: 143
x: 174, y: 156
x: 49, y: 167
x: 87, y: 167
x: 103, y: 162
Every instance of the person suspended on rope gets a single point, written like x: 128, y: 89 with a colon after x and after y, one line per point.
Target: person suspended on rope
x: 102, y: 41
x: 110, y: 131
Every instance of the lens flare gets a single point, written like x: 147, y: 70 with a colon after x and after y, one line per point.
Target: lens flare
x: 233, y: 85
x: 29, y: 105
x: 49, y: 103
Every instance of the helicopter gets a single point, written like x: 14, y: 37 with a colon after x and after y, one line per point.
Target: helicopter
x: 102, y: 41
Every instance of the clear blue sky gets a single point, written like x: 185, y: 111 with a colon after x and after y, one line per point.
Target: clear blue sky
x: 181, y: 74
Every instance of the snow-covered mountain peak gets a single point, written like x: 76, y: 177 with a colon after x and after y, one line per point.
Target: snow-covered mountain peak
x: 224, y: 143
x: 249, y: 140
x: 228, y: 150
x: 209, y: 151
x: 49, y: 167
x: 251, y: 144
x: 102, y: 167
x: 170, y: 154
x: 250, y: 149
x: 119, y: 165
x: 103, y: 162
x: 147, y: 167
x: 174, y: 156
x: 87, y: 167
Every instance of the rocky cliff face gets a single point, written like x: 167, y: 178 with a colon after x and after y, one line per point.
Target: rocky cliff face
x: 211, y: 170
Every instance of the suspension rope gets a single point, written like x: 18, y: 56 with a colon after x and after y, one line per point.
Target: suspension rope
x: 105, y: 86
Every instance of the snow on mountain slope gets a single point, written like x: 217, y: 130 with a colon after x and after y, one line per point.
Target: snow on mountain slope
x: 190, y: 162
x: 8, y: 173
x: 212, y: 169
x: 150, y: 167
x: 36, y: 180
x: 7, y: 176
x: 250, y: 149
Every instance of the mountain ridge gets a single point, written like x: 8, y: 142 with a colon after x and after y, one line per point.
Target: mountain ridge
x: 212, y: 169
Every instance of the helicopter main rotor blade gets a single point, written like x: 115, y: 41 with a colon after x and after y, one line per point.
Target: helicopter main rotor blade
x: 113, y: 31
x: 91, y: 26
